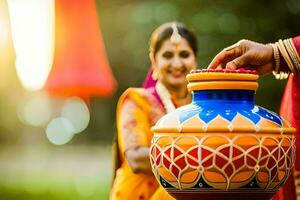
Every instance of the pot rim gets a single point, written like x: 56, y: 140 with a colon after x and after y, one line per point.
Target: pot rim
x: 212, y: 80
x: 208, y: 76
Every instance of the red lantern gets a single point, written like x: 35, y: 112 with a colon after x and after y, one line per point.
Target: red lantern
x: 80, y: 65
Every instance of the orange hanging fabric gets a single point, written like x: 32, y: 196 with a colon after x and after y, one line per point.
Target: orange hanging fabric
x: 80, y: 66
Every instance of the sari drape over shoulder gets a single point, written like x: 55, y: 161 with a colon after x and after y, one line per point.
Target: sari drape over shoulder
x: 138, y: 110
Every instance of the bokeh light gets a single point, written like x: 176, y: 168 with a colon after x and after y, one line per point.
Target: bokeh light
x: 35, y: 111
x: 59, y: 131
x: 32, y: 24
x: 77, y: 112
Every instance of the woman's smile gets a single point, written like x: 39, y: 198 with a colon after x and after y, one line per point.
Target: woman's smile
x: 177, y: 73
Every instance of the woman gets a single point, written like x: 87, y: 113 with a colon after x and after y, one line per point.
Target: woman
x: 282, y: 57
x: 173, y: 50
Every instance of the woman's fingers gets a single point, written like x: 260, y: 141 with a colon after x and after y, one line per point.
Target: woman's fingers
x: 239, y: 62
x: 245, y: 54
x: 216, y: 61
x: 225, y: 56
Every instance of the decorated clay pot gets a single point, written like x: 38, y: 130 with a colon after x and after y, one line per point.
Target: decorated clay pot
x: 222, y: 145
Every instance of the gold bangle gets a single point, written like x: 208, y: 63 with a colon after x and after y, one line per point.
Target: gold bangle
x: 276, y: 57
x: 295, y: 50
x: 294, y: 54
x: 290, y: 52
x: 285, y: 55
x: 277, y: 73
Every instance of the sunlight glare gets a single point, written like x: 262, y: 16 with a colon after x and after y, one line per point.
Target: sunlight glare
x: 36, y: 111
x: 32, y: 24
x: 77, y: 112
x: 3, y: 31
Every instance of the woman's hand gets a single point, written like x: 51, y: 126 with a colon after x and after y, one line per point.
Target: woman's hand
x: 139, y: 160
x: 246, y: 54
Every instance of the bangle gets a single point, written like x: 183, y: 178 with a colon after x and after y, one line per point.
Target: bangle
x: 293, y: 53
x: 285, y: 55
x: 276, y: 57
x: 278, y: 74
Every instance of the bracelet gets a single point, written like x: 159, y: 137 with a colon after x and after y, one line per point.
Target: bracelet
x: 276, y: 58
x: 293, y: 53
x: 295, y: 50
x: 290, y: 55
x: 285, y: 55
x: 277, y: 73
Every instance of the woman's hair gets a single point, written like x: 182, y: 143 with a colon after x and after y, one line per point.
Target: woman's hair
x: 165, y: 31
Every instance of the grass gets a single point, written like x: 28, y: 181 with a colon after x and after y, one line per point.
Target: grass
x: 55, y: 173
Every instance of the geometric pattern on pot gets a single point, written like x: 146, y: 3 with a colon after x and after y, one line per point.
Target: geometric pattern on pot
x: 191, y: 117
x: 227, y: 161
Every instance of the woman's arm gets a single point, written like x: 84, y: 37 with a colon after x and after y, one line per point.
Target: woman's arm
x: 282, y: 56
x: 135, y: 130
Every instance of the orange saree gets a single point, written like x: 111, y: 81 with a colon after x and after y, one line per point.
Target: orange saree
x: 137, y: 110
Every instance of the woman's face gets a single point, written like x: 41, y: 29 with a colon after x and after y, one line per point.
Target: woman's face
x: 173, y: 62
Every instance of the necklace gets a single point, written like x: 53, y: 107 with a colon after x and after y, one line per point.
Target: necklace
x: 165, y: 96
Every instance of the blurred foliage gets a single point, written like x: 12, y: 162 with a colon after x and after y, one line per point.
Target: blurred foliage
x: 47, y: 188
x: 65, y: 172
x: 127, y: 25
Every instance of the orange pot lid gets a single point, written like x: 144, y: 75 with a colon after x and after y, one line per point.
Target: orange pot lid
x: 225, y: 79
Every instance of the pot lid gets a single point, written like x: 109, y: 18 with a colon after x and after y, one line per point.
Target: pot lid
x: 225, y: 79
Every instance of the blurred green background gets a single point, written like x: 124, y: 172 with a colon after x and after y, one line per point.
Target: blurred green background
x: 33, y: 168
